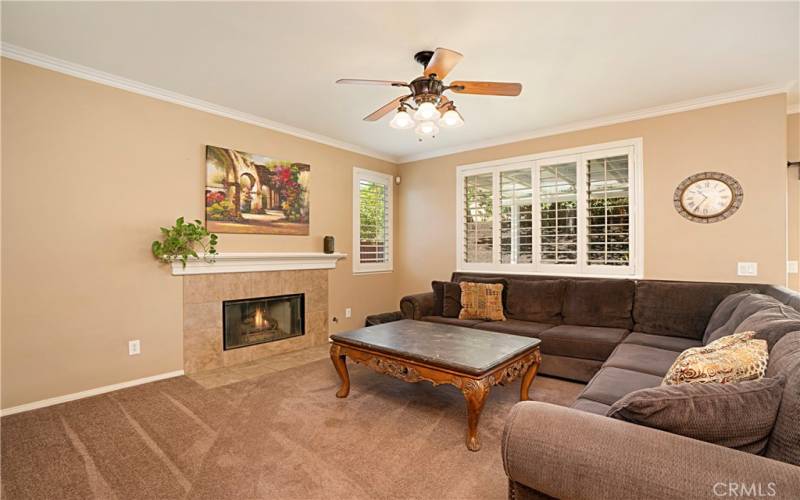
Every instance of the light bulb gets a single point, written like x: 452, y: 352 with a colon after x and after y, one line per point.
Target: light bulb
x: 427, y: 111
x: 451, y: 118
x: 402, y: 120
x: 427, y: 128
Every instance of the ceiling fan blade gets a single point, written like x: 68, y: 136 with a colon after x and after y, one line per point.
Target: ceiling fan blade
x: 383, y: 110
x: 442, y: 62
x: 355, y: 81
x: 487, y: 88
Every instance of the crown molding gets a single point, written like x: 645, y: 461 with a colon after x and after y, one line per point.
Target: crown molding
x: 667, y: 109
x: 86, y: 73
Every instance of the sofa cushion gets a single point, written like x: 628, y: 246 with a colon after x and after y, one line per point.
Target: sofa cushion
x: 739, y: 416
x: 515, y: 327
x: 611, y: 383
x: 452, y: 321
x: 538, y: 301
x: 487, y: 279
x: 772, y: 323
x: 644, y: 359
x: 784, y: 361
x: 748, y: 306
x: 677, y: 309
x: 745, y: 360
x: 724, y: 311
x: 579, y: 369
x: 482, y: 301
x: 590, y: 406
x: 599, y: 302
x: 451, y: 300
x: 588, y: 342
x: 661, y: 342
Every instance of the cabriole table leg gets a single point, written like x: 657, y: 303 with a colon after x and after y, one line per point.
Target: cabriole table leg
x: 475, y: 392
x: 340, y: 363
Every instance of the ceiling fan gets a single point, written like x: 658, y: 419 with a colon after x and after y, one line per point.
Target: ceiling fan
x: 426, y: 98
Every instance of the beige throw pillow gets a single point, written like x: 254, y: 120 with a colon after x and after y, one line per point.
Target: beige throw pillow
x: 733, y: 358
x: 481, y: 301
x: 729, y: 340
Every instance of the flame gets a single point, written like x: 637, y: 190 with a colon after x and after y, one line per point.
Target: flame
x: 259, y: 319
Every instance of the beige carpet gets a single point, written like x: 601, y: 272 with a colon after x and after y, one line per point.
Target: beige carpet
x: 280, y: 435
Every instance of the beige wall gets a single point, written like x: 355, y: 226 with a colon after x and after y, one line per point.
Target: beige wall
x: 89, y: 174
x: 745, y: 139
x: 793, y: 181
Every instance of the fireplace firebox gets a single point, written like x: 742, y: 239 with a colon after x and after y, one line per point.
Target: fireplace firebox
x: 259, y: 320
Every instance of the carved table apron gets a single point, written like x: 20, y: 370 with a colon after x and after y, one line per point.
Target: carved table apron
x: 474, y: 387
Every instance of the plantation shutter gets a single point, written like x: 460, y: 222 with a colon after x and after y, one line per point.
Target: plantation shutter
x: 608, y: 207
x: 558, y: 222
x: 516, y: 217
x: 478, y: 228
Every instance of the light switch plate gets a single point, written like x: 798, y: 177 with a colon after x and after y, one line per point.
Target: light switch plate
x: 791, y: 267
x: 134, y: 348
x: 747, y: 269
x: 348, y: 313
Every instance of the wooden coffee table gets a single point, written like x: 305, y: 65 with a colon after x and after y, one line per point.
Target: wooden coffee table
x: 471, y: 360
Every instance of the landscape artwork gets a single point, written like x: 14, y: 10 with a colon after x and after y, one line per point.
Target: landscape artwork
x: 251, y: 193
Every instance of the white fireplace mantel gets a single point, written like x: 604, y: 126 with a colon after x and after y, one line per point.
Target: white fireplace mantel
x: 255, y: 262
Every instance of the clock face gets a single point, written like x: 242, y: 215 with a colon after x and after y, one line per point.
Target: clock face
x: 708, y: 197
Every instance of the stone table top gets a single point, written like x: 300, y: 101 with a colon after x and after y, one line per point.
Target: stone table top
x: 458, y: 348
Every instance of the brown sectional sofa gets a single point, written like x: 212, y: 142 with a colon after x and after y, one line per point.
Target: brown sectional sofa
x: 578, y: 452
x: 597, y: 315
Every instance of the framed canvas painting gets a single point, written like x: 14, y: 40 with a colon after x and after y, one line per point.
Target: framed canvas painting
x: 251, y: 193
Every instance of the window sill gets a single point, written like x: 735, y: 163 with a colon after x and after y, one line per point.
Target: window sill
x: 371, y: 271
x: 636, y: 276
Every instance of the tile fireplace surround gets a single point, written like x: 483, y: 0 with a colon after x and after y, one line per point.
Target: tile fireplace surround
x: 202, y: 314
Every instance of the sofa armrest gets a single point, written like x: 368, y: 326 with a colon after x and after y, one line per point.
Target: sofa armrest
x: 566, y: 453
x: 417, y: 306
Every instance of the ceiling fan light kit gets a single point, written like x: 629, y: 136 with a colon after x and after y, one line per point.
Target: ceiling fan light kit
x: 426, y: 99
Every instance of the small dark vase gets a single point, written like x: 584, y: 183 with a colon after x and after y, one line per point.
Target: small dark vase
x: 328, y: 244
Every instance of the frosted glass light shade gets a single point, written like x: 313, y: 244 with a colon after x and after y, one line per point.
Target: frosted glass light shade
x: 427, y: 111
x: 451, y: 119
x: 402, y: 120
x: 427, y: 128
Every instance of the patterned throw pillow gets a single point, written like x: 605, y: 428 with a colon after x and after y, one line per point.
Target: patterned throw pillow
x: 733, y: 362
x: 728, y: 340
x: 481, y: 301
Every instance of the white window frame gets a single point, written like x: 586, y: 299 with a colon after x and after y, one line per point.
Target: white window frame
x: 581, y: 155
x: 388, y: 180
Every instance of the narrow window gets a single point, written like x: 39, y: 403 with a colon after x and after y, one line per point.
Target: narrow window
x: 372, y: 225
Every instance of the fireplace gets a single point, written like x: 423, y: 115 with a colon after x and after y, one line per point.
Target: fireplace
x: 256, y: 321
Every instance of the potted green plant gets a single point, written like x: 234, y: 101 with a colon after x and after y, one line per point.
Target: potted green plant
x: 183, y: 240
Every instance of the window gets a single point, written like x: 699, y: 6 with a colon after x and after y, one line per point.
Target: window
x: 372, y: 221
x: 568, y: 212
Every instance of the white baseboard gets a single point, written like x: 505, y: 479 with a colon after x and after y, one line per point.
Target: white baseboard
x: 87, y: 393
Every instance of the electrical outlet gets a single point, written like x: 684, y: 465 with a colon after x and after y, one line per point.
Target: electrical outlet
x: 791, y: 267
x: 134, y: 348
x: 348, y: 313
x: 747, y: 269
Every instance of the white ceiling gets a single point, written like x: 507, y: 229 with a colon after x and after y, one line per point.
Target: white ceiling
x: 576, y: 61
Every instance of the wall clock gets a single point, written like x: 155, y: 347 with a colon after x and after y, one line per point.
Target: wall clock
x: 708, y: 197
